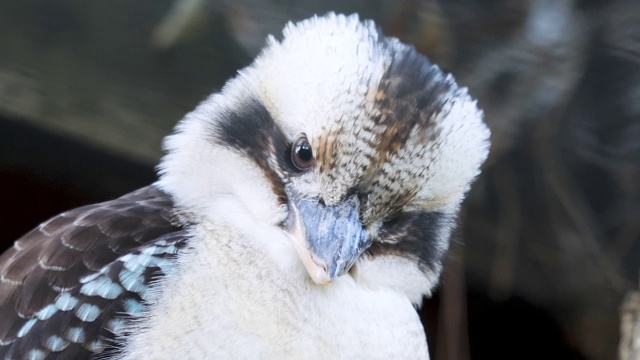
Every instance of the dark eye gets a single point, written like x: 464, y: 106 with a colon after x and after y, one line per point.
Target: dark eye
x: 301, y: 154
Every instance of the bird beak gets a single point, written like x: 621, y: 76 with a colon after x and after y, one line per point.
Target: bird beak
x: 328, y: 239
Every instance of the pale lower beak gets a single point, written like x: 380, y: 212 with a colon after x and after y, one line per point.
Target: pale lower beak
x: 328, y: 239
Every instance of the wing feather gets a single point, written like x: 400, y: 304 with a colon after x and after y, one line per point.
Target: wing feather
x: 68, y: 287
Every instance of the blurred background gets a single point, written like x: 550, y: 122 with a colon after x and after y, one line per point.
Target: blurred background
x: 548, y: 249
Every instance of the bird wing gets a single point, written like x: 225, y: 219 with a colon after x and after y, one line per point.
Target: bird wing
x: 69, y: 286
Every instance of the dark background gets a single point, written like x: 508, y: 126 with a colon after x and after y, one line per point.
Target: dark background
x: 549, y: 242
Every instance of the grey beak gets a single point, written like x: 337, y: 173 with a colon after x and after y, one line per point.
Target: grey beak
x: 329, y: 239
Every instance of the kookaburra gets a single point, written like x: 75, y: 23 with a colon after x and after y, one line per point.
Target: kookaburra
x: 301, y: 213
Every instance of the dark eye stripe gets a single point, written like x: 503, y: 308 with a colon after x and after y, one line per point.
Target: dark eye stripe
x: 251, y: 129
x: 414, y: 235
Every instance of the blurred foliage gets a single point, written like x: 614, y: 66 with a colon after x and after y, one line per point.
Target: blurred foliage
x: 555, y: 217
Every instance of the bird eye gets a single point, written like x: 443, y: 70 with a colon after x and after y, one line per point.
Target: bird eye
x: 301, y: 154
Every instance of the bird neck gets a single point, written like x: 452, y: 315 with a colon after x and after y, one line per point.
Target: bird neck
x: 256, y: 307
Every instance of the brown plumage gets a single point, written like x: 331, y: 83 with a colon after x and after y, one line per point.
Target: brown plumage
x: 60, y: 255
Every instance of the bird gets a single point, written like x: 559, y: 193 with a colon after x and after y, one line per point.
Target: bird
x: 303, y: 211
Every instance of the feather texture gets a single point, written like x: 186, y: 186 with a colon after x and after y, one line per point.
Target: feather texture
x: 69, y: 287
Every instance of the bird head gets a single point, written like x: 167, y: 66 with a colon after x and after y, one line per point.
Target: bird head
x: 351, y: 145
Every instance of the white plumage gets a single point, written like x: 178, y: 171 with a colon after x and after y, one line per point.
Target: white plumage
x: 270, y: 253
